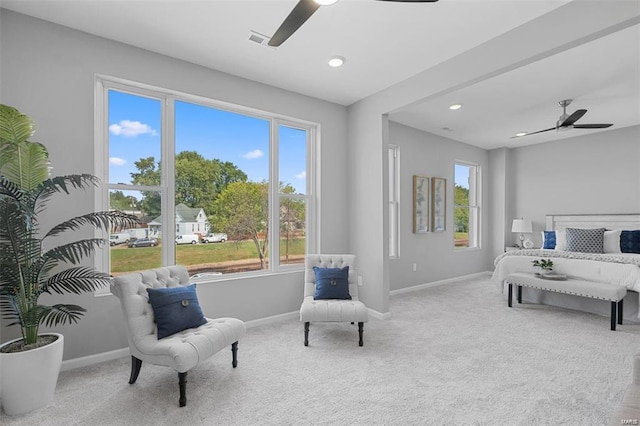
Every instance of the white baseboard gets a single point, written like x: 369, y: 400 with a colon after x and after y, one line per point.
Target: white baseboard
x: 85, y: 361
x: 272, y: 319
x: 441, y: 282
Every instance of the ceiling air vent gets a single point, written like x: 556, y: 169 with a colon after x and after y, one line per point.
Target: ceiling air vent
x: 258, y: 38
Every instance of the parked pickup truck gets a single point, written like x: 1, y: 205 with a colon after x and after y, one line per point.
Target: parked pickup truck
x: 214, y: 238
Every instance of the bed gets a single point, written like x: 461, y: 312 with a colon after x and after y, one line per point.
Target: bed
x: 610, y: 268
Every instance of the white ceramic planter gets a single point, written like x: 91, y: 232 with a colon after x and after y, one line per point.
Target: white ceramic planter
x: 28, y: 379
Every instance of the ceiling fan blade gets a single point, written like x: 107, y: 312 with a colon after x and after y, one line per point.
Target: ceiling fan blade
x: 592, y: 126
x: 298, y: 16
x: 533, y: 133
x: 573, y: 117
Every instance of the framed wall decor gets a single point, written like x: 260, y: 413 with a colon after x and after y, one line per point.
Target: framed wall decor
x: 420, y: 204
x: 438, y: 204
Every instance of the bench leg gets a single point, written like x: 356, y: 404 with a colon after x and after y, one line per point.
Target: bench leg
x: 620, y: 310
x: 510, y: 294
x: 519, y: 294
x: 613, y: 315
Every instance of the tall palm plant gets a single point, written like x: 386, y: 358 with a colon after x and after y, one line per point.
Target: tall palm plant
x: 31, y: 264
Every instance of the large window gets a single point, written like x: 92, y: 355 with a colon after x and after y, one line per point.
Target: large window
x: 218, y: 188
x: 466, y: 208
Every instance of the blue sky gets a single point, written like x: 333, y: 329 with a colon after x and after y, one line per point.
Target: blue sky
x: 462, y: 176
x: 135, y: 132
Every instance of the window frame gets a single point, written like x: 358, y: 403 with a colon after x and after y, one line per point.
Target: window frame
x: 475, y: 186
x: 103, y: 84
x: 393, y: 160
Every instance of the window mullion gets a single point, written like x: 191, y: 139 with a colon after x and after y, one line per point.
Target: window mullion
x: 274, y: 197
x: 167, y: 179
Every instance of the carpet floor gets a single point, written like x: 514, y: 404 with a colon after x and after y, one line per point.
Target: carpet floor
x: 450, y: 355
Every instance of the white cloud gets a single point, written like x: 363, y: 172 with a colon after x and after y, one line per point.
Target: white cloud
x: 116, y: 161
x: 131, y: 129
x: 301, y: 175
x: 252, y: 155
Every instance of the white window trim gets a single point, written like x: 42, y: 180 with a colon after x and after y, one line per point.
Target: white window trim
x: 394, y: 202
x: 104, y: 83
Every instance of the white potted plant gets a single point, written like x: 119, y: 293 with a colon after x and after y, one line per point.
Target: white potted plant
x: 34, y: 262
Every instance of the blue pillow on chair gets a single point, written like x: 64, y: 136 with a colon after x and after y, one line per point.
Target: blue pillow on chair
x: 175, y: 309
x: 332, y: 283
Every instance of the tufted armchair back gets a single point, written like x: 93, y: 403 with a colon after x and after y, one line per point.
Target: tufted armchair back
x: 131, y: 289
x: 329, y: 261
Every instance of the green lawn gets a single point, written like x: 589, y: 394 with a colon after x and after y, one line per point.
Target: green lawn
x: 125, y: 259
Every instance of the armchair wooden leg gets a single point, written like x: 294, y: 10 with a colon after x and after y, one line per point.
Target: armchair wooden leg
x: 306, y: 333
x: 360, y: 331
x: 182, y: 381
x: 234, y: 351
x: 135, y: 369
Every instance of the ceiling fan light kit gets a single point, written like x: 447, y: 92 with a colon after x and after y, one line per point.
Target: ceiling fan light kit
x: 303, y: 11
x: 567, y: 121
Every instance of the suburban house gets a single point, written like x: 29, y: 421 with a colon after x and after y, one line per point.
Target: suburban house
x: 188, y: 221
x: 49, y: 71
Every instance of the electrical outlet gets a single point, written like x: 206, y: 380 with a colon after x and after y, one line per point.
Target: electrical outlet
x: 415, y: 267
x: 360, y: 280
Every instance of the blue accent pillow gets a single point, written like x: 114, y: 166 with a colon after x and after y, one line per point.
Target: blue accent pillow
x: 332, y: 283
x: 549, y: 240
x: 630, y: 241
x: 175, y: 309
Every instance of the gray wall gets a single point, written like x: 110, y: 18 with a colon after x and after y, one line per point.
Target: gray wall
x: 423, y: 153
x: 589, y: 174
x: 48, y: 73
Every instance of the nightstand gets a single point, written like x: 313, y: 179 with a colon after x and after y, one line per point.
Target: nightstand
x: 511, y: 248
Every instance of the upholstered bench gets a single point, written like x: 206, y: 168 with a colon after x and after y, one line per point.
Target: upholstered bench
x: 595, y: 290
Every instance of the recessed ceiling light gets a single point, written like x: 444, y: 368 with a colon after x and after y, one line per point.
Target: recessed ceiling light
x: 336, y: 61
x: 521, y: 134
x: 325, y: 2
x: 455, y: 106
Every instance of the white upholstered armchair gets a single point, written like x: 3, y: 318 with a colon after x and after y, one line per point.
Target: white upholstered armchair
x: 182, y: 350
x: 317, y: 309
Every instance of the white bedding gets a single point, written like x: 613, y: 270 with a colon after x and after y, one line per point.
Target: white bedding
x: 619, y: 269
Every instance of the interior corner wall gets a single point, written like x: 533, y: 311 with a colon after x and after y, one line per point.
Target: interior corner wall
x: 593, y: 173
x: 366, y: 205
x: 48, y: 73
x: 433, y: 253
x: 497, y: 199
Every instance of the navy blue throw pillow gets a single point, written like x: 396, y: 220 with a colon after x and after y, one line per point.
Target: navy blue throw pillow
x: 175, y: 309
x: 332, y: 283
x: 630, y: 241
x: 549, y: 240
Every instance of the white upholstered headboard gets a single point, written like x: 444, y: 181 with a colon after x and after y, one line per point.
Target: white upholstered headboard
x: 607, y: 221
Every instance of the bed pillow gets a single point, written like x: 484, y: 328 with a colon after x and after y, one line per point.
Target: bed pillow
x: 561, y: 240
x: 630, y: 241
x: 612, y: 241
x: 585, y: 240
x: 332, y: 283
x: 175, y: 309
x: 548, y: 240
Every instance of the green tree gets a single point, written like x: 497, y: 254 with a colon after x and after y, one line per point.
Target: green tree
x: 242, y: 211
x: 292, y: 217
x: 119, y: 201
x: 198, y: 181
x: 461, y: 215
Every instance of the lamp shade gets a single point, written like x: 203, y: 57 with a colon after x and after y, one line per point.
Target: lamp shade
x: 521, y: 225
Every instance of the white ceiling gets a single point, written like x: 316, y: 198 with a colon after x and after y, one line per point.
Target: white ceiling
x: 384, y: 43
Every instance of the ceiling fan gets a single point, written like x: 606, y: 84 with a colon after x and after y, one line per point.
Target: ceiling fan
x: 566, y: 122
x: 303, y: 11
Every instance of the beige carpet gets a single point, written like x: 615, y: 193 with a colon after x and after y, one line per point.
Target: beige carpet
x: 450, y: 355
